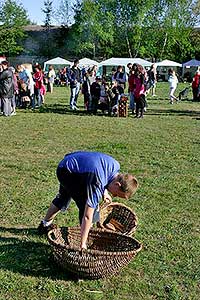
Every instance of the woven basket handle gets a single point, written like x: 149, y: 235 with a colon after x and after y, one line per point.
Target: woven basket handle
x: 105, y: 203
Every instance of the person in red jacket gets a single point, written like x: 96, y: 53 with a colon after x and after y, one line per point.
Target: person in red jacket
x: 196, y: 86
x: 38, y: 79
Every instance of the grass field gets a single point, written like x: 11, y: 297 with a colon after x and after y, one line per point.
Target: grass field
x: 162, y: 150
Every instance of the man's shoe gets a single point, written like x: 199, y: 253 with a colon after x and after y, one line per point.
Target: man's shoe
x: 43, y: 230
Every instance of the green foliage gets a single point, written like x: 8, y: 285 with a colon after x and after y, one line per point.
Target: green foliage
x: 154, y: 29
x: 12, y: 19
x: 92, y: 29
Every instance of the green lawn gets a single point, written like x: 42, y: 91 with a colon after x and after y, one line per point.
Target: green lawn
x: 162, y: 150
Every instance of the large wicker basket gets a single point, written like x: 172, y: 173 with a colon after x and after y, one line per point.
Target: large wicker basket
x: 122, y: 218
x: 107, y: 253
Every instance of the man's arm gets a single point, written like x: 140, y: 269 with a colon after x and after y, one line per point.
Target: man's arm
x: 86, y: 225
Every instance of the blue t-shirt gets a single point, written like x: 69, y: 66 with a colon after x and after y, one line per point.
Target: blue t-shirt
x: 98, y: 168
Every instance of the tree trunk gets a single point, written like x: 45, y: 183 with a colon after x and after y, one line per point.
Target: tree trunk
x: 129, y: 48
x: 164, y: 44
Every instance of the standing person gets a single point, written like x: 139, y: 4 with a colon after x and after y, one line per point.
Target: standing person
x: 75, y: 79
x: 51, y: 77
x: 38, y: 79
x: 196, y: 86
x: 92, y: 73
x: 131, y: 95
x: 114, y: 93
x: 95, y: 95
x: 136, y: 83
x: 86, y: 90
x: 43, y: 93
x: 6, y: 88
x: 131, y: 86
x: 87, y: 177
x: 120, y: 77
x: 104, y: 97
x: 16, y: 91
x: 152, y: 79
x: 26, y: 80
x: 173, y: 81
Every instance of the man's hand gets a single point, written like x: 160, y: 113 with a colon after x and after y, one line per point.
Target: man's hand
x: 86, y: 225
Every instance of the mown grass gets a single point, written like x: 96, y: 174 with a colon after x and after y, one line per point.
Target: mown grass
x: 162, y: 150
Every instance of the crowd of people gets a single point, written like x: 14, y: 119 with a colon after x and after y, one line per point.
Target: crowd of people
x: 101, y: 93
x: 26, y: 86
x: 20, y: 87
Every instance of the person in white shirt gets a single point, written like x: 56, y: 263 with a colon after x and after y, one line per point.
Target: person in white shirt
x: 173, y: 81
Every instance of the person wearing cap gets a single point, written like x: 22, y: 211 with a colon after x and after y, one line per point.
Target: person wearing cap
x: 6, y: 88
x: 87, y: 177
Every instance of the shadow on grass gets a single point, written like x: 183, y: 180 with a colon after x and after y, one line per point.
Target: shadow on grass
x: 174, y: 112
x: 65, y: 110
x: 28, y: 257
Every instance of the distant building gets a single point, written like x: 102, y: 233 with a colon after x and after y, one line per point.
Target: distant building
x: 34, y: 44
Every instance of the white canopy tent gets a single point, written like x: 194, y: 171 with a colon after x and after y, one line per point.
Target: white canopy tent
x: 58, y: 62
x: 87, y: 62
x: 115, y: 61
x: 168, y: 63
x: 106, y: 65
x: 163, y: 66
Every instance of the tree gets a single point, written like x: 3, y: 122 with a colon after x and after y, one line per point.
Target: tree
x: 64, y: 13
x: 48, y: 11
x: 92, y: 32
x: 12, y: 19
x: 46, y: 48
x: 151, y: 28
x: 168, y: 29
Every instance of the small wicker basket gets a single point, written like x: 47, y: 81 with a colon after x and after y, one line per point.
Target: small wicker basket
x: 107, y: 253
x: 119, y: 216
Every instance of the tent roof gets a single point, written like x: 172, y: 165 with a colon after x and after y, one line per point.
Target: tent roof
x: 57, y: 61
x: 86, y: 62
x: 192, y: 63
x: 168, y: 63
x: 114, y: 61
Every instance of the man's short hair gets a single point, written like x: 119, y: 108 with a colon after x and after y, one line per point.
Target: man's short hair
x: 129, y: 183
x: 76, y: 61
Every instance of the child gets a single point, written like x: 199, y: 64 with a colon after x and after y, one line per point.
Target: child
x: 87, y: 177
x: 42, y: 92
x: 95, y: 90
x: 24, y: 95
x: 104, y: 99
x: 86, y: 91
x: 173, y: 81
x: 115, y: 93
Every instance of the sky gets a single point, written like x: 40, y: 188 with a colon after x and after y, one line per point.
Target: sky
x: 34, y: 10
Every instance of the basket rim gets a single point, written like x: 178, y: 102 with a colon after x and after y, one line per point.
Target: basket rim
x: 91, y: 251
x: 104, y: 206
